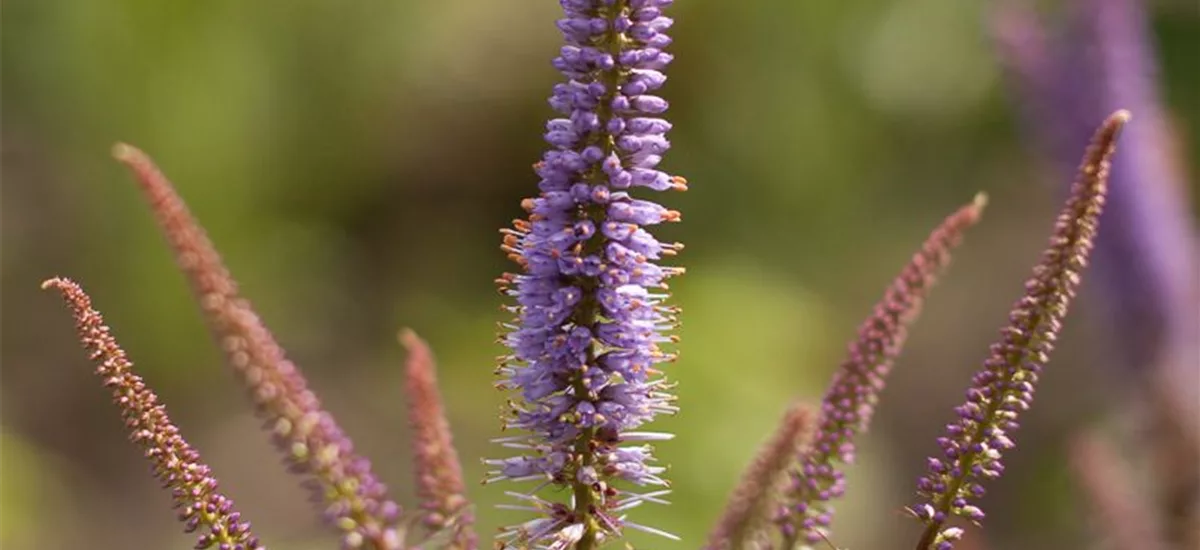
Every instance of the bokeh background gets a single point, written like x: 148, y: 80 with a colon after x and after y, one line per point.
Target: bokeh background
x: 353, y: 161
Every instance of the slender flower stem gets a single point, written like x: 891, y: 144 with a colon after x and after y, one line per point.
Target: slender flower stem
x: 805, y: 511
x: 353, y: 499
x: 974, y: 444
x: 202, y: 507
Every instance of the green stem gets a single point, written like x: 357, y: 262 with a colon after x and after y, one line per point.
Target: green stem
x: 586, y: 499
x: 930, y: 535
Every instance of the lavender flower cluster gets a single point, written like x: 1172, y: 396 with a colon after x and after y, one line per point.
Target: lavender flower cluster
x: 590, y: 311
x: 592, y: 329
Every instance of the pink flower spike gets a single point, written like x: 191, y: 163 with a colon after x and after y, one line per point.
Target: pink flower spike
x: 353, y: 500
x: 439, y: 477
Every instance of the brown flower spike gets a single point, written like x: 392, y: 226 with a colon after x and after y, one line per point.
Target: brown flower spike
x: 439, y: 477
x: 354, y: 500
x: 805, y: 512
x: 201, y: 506
x: 747, y: 513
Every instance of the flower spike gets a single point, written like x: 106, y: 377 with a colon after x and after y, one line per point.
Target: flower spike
x: 974, y: 443
x: 201, y: 506
x: 590, y: 303
x: 748, y: 511
x: 1145, y: 268
x: 805, y: 512
x: 355, y: 501
x: 438, y: 473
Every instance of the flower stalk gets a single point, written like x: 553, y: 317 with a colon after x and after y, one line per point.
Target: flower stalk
x: 354, y: 501
x: 748, y: 512
x: 437, y: 472
x: 806, y: 512
x: 590, y: 298
x: 202, y: 507
x: 973, y: 445
x: 1146, y: 264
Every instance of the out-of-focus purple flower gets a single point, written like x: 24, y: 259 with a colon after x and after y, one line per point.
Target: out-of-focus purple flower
x: 340, y: 481
x: 1146, y: 262
x: 590, y: 311
x: 805, y: 510
x: 973, y: 445
x: 1145, y: 284
x: 202, y: 507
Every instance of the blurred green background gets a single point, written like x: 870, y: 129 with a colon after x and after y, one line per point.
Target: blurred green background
x: 353, y: 161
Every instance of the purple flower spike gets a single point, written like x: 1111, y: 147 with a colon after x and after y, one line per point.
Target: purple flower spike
x: 354, y: 501
x: 202, y: 508
x: 590, y: 311
x: 805, y: 512
x: 973, y: 445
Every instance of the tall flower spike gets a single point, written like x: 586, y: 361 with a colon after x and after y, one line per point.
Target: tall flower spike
x: 201, y: 506
x: 353, y: 499
x: 748, y: 512
x: 439, y: 476
x: 590, y: 312
x: 1004, y: 387
x: 1146, y: 264
x: 806, y: 512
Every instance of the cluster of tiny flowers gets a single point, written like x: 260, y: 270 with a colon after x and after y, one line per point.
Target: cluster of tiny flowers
x: 973, y: 445
x: 590, y: 312
x: 850, y: 401
x: 436, y: 469
x: 748, y: 511
x: 341, y: 482
x: 202, y: 507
